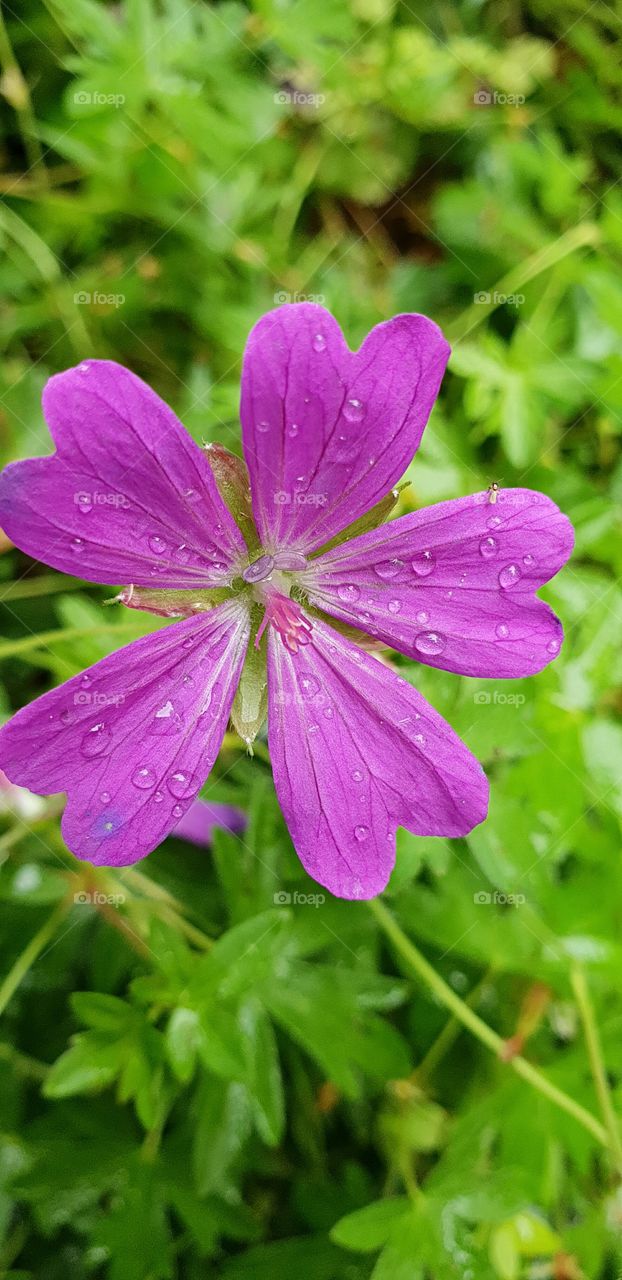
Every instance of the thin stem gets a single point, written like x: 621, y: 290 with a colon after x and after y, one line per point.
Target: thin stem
x: 594, y: 1048
x: 586, y: 233
x: 31, y: 952
x: 480, y: 1029
x: 43, y: 639
x: 19, y: 98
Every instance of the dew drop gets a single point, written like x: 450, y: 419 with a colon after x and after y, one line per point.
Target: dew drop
x: 509, y: 576
x: 528, y: 560
x: 105, y: 797
x: 293, y: 430
x: 188, y: 681
x: 348, y: 592
x: 361, y: 833
x: 181, y: 784
x: 313, y: 728
x: 388, y: 569
x: 354, y: 410
x: 493, y: 522
x: 419, y: 739
x: 96, y: 741
x: 144, y: 778
x: 319, y: 342
x: 430, y: 642
x: 158, y: 797
x: 502, y: 632
x: 177, y: 811
x: 328, y: 712
x: 157, y: 544
x: 553, y: 646
x: 65, y: 717
x: 85, y: 681
x: 263, y: 427
x: 188, y: 644
x: 423, y: 617
x: 78, y: 545
x: 394, y: 606
x: 84, y: 504
x: 166, y: 721
x: 259, y: 570
x: 488, y: 547
x: 423, y: 564
x: 357, y: 775
x: 309, y: 686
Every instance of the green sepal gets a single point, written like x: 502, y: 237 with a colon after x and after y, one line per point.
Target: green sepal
x: 250, y: 705
x: 171, y: 604
x: 371, y: 520
x: 232, y: 479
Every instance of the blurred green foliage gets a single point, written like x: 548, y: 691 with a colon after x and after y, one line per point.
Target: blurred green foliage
x: 196, y: 1078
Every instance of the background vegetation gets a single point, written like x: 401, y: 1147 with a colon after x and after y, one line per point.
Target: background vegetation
x: 194, y: 1079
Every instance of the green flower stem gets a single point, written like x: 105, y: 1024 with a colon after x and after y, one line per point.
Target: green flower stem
x: 585, y: 234
x: 31, y: 952
x: 42, y: 639
x: 480, y: 1029
x: 20, y: 100
x: 592, y: 1039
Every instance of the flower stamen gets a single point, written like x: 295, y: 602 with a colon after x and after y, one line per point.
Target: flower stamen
x: 287, y: 618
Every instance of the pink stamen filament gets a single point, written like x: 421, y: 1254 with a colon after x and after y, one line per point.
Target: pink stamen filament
x: 288, y: 620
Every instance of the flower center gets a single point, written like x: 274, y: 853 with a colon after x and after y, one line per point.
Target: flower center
x: 286, y: 616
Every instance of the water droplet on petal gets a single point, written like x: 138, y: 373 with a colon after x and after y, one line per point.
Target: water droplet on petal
x: 488, y: 547
x: 553, y: 646
x: 509, y: 576
x: 157, y: 544
x: 84, y: 504
x: 188, y: 644
x: 493, y: 522
x: 263, y: 427
x: 313, y: 728
x: 182, y: 785
x: 361, y: 833
x: 502, y: 631
x: 423, y: 564
x: 354, y: 410
x: 293, y: 430
x: 188, y: 681
x: 66, y: 716
x: 177, y: 811
x: 328, y: 712
x: 423, y: 617
x: 348, y: 592
x: 158, y: 797
x: 259, y: 570
x: 309, y: 686
x: 319, y: 342
x: 357, y: 775
x: 96, y: 741
x: 166, y: 720
x: 85, y: 681
x: 388, y: 569
x: 78, y: 545
x: 144, y: 778
x: 105, y: 797
x: 419, y: 739
x: 430, y: 642
x: 528, y: 560
x: 394, y: 606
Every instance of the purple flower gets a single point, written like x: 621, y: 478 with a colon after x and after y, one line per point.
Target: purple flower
x: 129, y: 498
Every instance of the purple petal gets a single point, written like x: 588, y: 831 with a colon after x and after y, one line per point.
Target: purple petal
x: 202, y: 818
x: 326, y: 432
x: 128, y: 497
x: 132, y: 740
x: 454, y: 585
x: 356, y: 751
